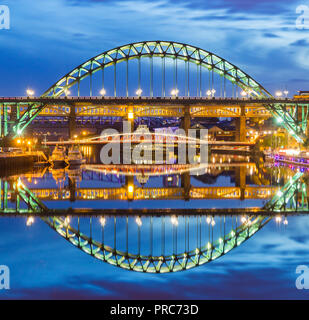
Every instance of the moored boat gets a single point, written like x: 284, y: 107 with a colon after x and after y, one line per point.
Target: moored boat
x: 75, y: 157
x: 58, y: 157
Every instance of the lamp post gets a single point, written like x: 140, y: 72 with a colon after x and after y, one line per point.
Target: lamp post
x: 30, y: 92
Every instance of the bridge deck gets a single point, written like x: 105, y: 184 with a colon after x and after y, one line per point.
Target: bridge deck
x: 151, y: 100
x: 150, y: 212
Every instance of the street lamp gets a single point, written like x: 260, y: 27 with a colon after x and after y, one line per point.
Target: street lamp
x: 67, y: 92
x: 213, y: 91
x: 174, y: 92
x: 208, y: 93
x: 286, y: 92
x: 30, y: 93
x: 138, y: 221
x: 279, y: 94
x: 103, y: 92
x: 244, y: 93
x: 139, y: 92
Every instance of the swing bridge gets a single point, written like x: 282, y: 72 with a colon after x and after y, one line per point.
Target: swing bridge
x: 155, y: 79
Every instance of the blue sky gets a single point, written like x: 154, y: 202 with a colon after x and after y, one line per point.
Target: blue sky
x: 49, y: 38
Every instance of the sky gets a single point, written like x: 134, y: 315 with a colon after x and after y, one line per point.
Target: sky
x: 47, y: 39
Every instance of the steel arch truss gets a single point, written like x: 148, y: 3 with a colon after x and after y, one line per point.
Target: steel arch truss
x: 165, y: 49
x: 292, y: 197
x: 294, y: 120
x: 158, y: 264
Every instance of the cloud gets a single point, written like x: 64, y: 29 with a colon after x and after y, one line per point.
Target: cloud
x: 300, y: 43
x: 54, y: 38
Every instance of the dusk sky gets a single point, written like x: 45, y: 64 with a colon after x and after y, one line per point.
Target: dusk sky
x: 48, y: 39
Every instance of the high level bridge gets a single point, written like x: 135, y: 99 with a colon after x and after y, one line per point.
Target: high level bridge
x: 156, y: 79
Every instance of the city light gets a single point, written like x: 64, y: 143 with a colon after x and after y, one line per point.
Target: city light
x: 174, y: 221
x: 286, y: 92
x: 279, y: 94
x: 66, y: 222
x: 174, y: 92
x: 102, y: 221
x: 138, y: 221
x: 103, y: 92
x: 208, y: 92
x: 29, y: 221
x: 67, y: 92
x: 130, y: 115
x: 278, y: 219
x: 30, y: 93
x: 139, y: 92
x: 243, y: 93
x: 243, y: 219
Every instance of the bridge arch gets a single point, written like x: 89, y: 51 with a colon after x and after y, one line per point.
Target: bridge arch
x: 163, y: 49
x: 186, y: 260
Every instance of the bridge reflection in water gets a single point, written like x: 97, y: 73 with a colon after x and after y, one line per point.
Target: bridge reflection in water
x: 156, y: 240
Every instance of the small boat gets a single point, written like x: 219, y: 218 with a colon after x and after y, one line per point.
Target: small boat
x: 58, y: 157
x: 75, y: 157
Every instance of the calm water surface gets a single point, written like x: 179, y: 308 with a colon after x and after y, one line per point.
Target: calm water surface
x: 99, y: 238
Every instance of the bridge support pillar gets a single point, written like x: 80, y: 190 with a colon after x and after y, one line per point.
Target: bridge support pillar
x: 186, y: 120
x: 240, y: 180
x: 72, y: 122
x: 241, y: 128
x: 186, y: 125
x: 72, y: 188
x: 13, y: 116
x: 186, y: 185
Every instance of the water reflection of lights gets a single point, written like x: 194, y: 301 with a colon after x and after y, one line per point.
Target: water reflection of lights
x: 30, y: 221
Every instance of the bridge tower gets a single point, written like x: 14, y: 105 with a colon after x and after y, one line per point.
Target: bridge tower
x: 241, y: 126
x: 72, y: 122
x: 240, y: 180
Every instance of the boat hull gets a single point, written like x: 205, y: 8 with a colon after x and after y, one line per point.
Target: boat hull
x: 59, y: 163
x: 75, y: 163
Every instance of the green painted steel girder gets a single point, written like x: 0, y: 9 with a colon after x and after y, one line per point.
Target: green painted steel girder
x: 173, y: 50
